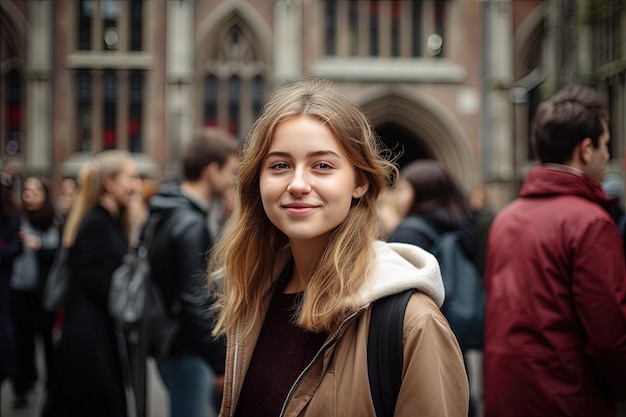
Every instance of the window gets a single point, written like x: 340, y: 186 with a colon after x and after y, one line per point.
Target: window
x: 109, y: 101
x: 135, y: 100
x: 109, y: 108
x: 386, y: 28
x: 234, y: 81
x: 83, y: 113
x: 13, y: 113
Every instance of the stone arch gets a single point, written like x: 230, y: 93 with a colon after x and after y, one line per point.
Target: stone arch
x: 430, y: 127
x: 527, y: 42
x: 234, y: 44
x: 227, y: 13
x: 13, y: 27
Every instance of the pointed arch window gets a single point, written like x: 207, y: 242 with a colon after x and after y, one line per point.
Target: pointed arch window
x: 234, y: 78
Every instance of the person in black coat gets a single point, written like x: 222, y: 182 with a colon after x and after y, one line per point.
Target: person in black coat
x: 97, y: 233
x: 40, y: 238
x: 178, y: 260
x: 10, y: 247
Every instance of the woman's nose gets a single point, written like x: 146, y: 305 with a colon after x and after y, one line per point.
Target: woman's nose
x: 299, y: 183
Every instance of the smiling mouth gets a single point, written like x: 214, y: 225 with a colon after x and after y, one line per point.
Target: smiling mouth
x: 299, y: 209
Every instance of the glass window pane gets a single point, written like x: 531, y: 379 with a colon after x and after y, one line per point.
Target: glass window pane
x: 83, y: 110
x: 234, y: 102
x: 374, y: 28
x: 13, y: 113
x: 85, y: 15
x: 416, y: 18
x: 395, y: 28
x: 210, y: 100
x: 136, y: 27
x: 353, y: 27
x: 330, y: 27
x: 109, y: 107
x: 258, y: 95
x: 135, y: 98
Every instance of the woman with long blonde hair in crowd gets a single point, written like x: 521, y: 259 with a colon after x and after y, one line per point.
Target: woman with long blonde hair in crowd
x: 299, y: 265
x: 97, y: 232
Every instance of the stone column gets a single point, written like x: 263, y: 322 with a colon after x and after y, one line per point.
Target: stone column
x: 38, y: 140
x: 288, y: 49
x: 500, y: 164
x: 179, y: 77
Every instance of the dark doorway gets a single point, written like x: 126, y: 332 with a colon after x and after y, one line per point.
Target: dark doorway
x: 402, y: 141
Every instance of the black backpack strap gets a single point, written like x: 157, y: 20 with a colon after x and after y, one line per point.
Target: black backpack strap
x: 385, y: 351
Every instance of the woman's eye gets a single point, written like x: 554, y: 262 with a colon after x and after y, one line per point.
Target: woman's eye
x: 279, y: 165
x: 323, y: 166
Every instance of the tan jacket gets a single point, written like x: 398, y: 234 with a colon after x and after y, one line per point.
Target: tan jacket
x: 336, y: 383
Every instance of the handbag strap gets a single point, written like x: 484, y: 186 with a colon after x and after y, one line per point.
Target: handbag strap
x: 385, y: 351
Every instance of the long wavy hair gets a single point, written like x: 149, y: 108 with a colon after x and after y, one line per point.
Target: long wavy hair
x: 106, y: 164
x: 243, y: 262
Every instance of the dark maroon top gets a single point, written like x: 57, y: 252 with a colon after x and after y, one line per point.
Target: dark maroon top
x: 281, y: 354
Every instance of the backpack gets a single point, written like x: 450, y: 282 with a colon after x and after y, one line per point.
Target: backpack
x: 464, y: 306
x: 385, y: 351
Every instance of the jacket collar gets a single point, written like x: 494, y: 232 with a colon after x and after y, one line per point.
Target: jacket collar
x: 548, y: 180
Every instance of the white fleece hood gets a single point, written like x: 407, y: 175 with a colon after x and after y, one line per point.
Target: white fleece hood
x: 399, y: 267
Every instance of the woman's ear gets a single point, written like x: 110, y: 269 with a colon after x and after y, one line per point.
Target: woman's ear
x: 361, y: 186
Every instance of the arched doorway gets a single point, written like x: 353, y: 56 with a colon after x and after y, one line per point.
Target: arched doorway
x: 403, y: 143
x: 415, y: 124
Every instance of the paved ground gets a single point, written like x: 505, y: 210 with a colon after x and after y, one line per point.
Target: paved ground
x: 157, y: 397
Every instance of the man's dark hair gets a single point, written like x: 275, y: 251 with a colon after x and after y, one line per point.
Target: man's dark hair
x: 208, y: 145
x: 565, y: 120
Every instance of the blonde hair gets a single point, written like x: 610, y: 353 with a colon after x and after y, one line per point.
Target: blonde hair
x: 245, y: 255
x: 106, y: 164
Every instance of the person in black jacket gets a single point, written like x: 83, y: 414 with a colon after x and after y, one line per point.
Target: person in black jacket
x: 437, y: 200
x: 96, y: 233
x: 193, y: 366
x: 10, y: 247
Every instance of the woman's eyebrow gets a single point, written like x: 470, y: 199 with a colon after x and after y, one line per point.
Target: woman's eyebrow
x: 282, y: 154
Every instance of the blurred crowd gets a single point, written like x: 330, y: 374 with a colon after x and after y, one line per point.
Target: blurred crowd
x: 104, y: 212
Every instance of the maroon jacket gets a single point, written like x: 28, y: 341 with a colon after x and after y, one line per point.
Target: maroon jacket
x: 555, y: 337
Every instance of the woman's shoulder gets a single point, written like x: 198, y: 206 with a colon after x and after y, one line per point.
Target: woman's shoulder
x: 421, y: 309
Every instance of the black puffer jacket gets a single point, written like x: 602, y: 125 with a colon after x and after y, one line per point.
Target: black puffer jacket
x: 178, y: 257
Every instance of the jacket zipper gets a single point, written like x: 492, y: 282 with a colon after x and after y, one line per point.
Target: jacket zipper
x: 332, y: 340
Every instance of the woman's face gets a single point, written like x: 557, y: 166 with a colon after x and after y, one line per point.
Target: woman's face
x: 307, y: 183
x: 33, y: 194
x: 124, y: 184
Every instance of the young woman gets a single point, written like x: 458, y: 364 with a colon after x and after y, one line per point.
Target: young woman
x: 298, y: 267
x: 97, y: 233
x: 40, y: 238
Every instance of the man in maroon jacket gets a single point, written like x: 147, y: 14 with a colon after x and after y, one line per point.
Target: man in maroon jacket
x: 555, y: 337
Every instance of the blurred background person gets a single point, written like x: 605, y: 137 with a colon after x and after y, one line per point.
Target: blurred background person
x: 65, y: 199
x: 97, y: 232
x: 555, y: 339
x: 393, y: 205
x: 40, y: 237
x: 10, y: 247
x: 194, y: 363
x: 435, y: 198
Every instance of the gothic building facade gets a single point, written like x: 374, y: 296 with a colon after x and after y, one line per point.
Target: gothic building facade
x: 454, y: 80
